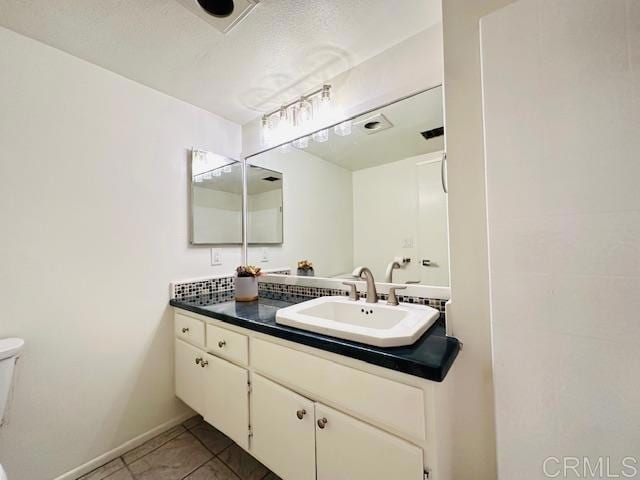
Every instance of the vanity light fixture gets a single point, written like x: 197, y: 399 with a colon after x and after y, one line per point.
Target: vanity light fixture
x: 297, y: 117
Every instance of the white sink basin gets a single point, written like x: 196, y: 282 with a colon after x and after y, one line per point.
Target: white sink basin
x: 376, y: 324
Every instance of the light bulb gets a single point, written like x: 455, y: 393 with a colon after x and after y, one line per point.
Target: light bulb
x: 343, y: 129
x: 321, y: 136
x: 304, y: 113
x: 266, y: 136
x: 324, y: 104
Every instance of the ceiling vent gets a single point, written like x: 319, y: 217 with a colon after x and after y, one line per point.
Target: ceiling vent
x: 223, y: 15
x: 373, y: 124
x: 429, y: 134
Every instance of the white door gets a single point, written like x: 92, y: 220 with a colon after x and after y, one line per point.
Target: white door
x: 188, y: 374
x: 348, y: 449
x: 433, y: 239
x: 227, y: 399
x: 283, y: 430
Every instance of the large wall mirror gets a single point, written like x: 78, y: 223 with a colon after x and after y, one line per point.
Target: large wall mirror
x: 372, y: 194
x: 216, y: 199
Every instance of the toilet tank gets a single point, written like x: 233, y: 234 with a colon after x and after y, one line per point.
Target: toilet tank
x: 10, y: 349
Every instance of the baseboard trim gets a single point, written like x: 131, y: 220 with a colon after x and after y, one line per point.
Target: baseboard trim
x: 124, y: 448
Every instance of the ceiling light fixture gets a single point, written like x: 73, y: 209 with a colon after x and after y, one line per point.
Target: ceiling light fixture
x: 298, y: 117
x: 217, y: 8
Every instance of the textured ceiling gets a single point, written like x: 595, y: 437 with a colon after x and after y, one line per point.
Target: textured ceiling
x: 282, y: 49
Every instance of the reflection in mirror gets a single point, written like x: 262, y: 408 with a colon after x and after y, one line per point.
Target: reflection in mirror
x: 264, y: 206
x: 373, y: 197
x: 216, y: 199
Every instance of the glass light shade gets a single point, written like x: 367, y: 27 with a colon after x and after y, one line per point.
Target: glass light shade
x: 301, y: 142
x: 321, y: 136
x: 343, y: 129
x: 227, y: 169
x: 303, y: 113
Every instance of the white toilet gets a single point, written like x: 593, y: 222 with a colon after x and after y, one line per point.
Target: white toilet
x: 10, y: 349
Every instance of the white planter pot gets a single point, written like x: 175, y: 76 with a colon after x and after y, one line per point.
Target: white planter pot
x: 246, y: 289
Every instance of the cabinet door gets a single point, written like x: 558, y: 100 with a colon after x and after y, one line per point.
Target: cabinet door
x: 188, y: 374
x: 283, y: 430
x: 227, y: 399
x: 348, y: 449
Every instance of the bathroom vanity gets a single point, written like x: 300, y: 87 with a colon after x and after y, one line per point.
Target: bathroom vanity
x: 310, y: 406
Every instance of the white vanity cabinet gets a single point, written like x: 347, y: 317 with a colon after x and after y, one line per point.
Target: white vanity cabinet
x: 226, y: 398
x: 309, y: 414
x: 283, y: 426
x: 189, y: 375
x: 215, y: 388
x: 348, y: 449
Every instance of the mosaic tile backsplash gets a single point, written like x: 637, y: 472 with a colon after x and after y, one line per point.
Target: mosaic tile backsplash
x: 313, y: 292
x: 225, y: 284
x: 202, y: 287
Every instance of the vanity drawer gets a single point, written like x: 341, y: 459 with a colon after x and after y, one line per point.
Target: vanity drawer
x: 379, y: 400
x: 189, y: 329
x: 227, y: 344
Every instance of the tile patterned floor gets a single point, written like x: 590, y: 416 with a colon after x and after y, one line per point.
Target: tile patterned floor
x: 191, y: 451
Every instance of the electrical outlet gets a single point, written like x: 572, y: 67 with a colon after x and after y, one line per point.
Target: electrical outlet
x: 265, y: 255
x: 216, y: 257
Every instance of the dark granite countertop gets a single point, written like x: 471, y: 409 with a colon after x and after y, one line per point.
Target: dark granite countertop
x: 430, y: 357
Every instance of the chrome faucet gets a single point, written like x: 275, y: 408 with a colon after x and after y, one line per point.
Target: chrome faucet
x: 372, y: 293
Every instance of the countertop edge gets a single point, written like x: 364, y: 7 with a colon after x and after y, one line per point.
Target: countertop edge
x: 334, y: 345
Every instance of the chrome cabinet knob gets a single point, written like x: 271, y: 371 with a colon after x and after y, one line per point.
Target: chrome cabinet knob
x: 198, y: 360
x: 322, y: 423
x: 185, y: 330
x: 204, y: 363
x: 301, y: 413
x: 221, y: 343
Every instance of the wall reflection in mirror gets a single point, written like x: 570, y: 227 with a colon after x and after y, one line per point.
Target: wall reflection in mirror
x: 264, y: 206
x: 216, y: 199
x: 369, y: 193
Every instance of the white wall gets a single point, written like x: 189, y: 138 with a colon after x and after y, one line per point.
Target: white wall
x: 93, y: 200
x: 264, y: 217
x: 562, y: 116
x: 474, y: 449
x: 317, y: 214
x: 409, y: 66
x: 386, y: 215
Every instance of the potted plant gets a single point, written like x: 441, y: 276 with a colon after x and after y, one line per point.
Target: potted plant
x: 246, y: 288
x: 305, y: 268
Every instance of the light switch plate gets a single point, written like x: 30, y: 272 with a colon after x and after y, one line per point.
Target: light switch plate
x: 216, y: 257
x: 265, y: 255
